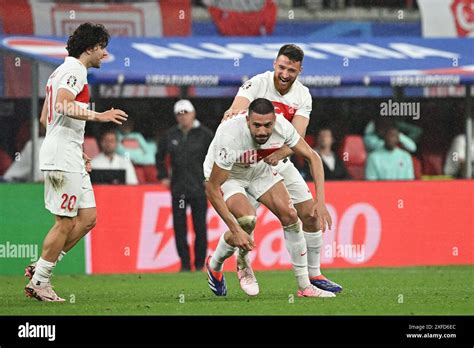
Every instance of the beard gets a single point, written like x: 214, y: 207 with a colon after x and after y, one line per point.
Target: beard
x: 261, y: 140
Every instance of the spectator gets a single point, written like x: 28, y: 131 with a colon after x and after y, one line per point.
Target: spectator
x: 186, y: 144
x: 133, y: 145
x: 390, y: 162
x: 334, y: 168
x: 110, y: 159
x: 374, y: 135
x: 455, y: 164
x: 20, y: 169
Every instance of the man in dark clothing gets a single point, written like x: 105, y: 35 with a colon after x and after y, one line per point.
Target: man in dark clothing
x: 187, y: 145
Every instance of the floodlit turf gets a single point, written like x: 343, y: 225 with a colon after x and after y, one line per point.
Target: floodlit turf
x: 376, y: 291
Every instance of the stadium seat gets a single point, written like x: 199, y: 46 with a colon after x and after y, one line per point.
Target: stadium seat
x: 151, y: 173
x: 311, y: 140
x: 417, y: 168
x: 353, y: 150
x: 90, y: 147
x: 146, y: 174
x: 5, y: 161
x: 432, y: 163
x: 141, y: 176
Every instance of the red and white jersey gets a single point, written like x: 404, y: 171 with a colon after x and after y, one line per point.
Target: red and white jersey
x: 234, y: 149
x: 62, y: 146
x: 297, y: 101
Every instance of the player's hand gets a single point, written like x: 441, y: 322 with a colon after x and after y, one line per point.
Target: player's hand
x: 87, y: 161
x: 243, y: 240
x: 323, y: 216
x: 231, y: 113
x: 166, y: 182
x: 113, y: 115
x: 272, y: 159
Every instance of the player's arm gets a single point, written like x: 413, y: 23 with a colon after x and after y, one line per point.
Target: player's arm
x: 66, y: 105
x: 316, y: 166
x: 238, y: 105
x: 213, y: 192
x: 300, y: 123
x: 44, y: 113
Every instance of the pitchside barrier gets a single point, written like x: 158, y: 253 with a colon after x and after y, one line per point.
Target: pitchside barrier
x: 375, y: 224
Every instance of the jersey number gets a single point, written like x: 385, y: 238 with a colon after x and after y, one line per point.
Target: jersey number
x: 49, y: 97
x: 68, y: 202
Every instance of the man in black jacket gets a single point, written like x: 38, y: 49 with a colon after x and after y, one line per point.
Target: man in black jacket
x: 187, y: 145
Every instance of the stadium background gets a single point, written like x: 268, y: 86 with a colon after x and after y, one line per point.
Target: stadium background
x: 425, y: 222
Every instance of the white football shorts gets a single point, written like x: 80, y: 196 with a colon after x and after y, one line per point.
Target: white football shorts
x: 295, y: 184
x: 65, y: 193
x: 252, y: 183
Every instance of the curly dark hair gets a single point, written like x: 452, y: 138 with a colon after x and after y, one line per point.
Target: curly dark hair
x: 86, y: 36
x: 293, y: 52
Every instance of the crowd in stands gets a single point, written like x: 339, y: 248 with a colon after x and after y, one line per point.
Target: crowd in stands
x: 386, y: 150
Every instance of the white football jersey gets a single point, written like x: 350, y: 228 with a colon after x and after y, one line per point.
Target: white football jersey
x: 297, y: 101
x: 234, y: 149
x: 62, y: 146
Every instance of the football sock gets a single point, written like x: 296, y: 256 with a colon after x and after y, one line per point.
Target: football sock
x: 243, y: 260
x: 314, y: 241
x: 43, y: 272
x: 296, y: 246
x: 223, y: 252
x: 61, y: 255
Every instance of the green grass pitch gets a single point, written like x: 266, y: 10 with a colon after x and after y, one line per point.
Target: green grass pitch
x: 370, y: 291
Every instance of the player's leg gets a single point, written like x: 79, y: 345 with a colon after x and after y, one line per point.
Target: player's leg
x: 233, y: 190
x: 277, y: 199
x: 84, y: 222
x: 86, y: 216
x: 61, y: 198
x: 199, y: 213
x: 181, y: 230
x: 243, y: 210
x: 303, y: 202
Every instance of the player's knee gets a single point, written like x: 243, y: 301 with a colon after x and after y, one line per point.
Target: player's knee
x: 310, y: 223
x: 289, y: 217
x: 65, y: 224
x: 247, y: 223
x: 90, y: 223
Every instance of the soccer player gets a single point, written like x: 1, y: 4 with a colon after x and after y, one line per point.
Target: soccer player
x: 235, y: 158
x: 68, y: 191
x: 293, y: 101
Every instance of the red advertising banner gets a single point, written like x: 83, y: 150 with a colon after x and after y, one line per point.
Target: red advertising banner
x: 374, y: 224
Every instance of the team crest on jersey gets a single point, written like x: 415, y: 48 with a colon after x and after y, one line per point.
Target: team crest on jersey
x: 247, y: 85
x: 223, y: 154
x: 71, y: 81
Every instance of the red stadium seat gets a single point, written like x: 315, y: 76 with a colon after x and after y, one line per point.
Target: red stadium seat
x: 141, y: 176
x: 417, y: 167
x: 353, y: 153
x: 310, y: 139
x: 90, y: 147
x: 146, y: 174
x: 151, y: 173
x: 5, y: 161
x: 432, y: 163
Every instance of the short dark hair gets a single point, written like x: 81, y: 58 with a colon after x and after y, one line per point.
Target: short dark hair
x: 107, y: 131
x: 292, y: 51
x: 261, y: 106
x: 86, y: 36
